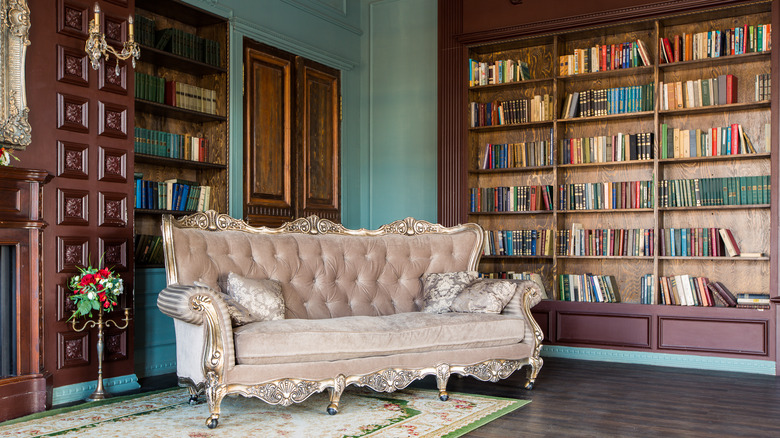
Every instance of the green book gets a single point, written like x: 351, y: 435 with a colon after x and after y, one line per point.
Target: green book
x: 705, y: 92
x: 664, y: 134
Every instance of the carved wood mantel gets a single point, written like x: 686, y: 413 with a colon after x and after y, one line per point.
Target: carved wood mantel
x: 20, y: 227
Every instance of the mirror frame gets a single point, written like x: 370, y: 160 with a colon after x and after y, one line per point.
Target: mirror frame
x: 15, y: 127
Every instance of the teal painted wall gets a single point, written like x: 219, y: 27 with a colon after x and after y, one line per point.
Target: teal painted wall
x: 399, y: 65
x: 155, y: 342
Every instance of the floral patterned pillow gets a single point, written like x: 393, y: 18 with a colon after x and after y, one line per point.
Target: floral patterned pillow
x: 484, y: 297
x: 263, y: 298
x: 239, y: 315
x: 440, y: 289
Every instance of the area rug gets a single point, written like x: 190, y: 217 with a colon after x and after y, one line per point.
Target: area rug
x: 362, y: 413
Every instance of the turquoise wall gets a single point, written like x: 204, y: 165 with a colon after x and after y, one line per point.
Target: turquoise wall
x: 386, y: 51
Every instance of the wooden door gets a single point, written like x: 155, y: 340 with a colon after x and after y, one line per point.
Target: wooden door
x: 291, y: 137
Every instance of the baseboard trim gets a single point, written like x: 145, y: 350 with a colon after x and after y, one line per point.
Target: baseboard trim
x: 662, y: 359
x: 80, y: 391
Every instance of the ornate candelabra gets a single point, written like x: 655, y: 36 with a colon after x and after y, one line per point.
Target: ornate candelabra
x: 96, y: 46
x: 100, y: 392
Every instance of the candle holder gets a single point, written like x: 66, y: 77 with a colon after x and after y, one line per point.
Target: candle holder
x: 100, y: 392
x: 97, y: 47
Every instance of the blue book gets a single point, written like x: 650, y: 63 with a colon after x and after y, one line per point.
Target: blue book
x: 685, y: 237
x: 185, y: 190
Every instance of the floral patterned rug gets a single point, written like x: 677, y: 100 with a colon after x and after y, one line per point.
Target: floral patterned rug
x: 362, y: 413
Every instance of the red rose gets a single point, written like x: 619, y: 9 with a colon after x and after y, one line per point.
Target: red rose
x: 106, y: 305
x: 99, y: 287
x: 87, y: 279
x: 102, y: 296
x: 105, y: 273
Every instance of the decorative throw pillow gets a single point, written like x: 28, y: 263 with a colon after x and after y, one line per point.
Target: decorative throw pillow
x: 484, y: 297
x: 263, y: 298
x: 239, y: 315
x: 440, y: 289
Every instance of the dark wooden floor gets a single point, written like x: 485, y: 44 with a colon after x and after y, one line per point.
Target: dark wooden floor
x: 597, y: 399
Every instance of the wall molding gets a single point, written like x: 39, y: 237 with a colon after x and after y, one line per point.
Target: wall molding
x: 284, y: 42
x: 80, y: 391
x: 662, y: 359
x: 323, y: 14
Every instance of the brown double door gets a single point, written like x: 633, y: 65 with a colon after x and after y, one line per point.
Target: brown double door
x: 291, y: 137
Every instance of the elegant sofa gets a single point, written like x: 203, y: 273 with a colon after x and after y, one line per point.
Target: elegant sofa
x: 352, y: 310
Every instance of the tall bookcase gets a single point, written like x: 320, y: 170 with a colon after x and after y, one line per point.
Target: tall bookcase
x: 628, y: 325
x: 185, y: 62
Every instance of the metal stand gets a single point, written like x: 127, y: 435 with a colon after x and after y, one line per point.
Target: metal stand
x: 100, y: 392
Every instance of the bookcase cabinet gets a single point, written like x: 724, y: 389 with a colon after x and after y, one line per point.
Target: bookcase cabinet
x: 185, y: 67
x: 720, y: 331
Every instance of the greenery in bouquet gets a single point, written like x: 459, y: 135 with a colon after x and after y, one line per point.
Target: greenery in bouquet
x: 6, y: 155
x: 94, y: 289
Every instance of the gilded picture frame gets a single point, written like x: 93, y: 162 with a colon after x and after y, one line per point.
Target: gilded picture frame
x: 14, y: 38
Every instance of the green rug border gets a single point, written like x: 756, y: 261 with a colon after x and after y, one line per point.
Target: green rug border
x: 517, y: 404
x: 85, y: 405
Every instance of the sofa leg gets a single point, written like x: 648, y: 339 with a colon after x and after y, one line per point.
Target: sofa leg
x: 193, y: 395
x: 533, y: 371
x: 339, y: 383
x: 214, y: 395
x: 212, y: 421
x: 442, y: 376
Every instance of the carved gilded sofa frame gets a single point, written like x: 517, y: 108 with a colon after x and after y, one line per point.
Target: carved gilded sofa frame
x: 218, y: 348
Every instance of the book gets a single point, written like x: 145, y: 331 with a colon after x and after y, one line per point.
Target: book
x: 732, y: 248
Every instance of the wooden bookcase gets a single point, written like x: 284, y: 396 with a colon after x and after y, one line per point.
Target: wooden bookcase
x: 727, y: 332
x: 167, y: 118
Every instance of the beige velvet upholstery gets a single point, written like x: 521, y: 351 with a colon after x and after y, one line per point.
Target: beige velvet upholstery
x: 353, y: 337
x: 352, y: 299
x: 325, y: 276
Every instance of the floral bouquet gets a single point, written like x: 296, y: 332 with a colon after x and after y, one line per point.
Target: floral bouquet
x: 6, y: 155
x: 94, y: 289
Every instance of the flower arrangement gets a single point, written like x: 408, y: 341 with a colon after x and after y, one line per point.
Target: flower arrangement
x: 94, y: 289
x: 6, y: 155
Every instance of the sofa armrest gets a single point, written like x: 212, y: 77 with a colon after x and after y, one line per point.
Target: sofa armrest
x: 527, y: 295
x: 205, y: 307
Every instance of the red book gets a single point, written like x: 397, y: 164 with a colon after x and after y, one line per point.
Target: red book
x: 734, y: 139
x: 668, y: 50
x: 547, y: 204
x: 732, y: 240
x: 714, y: 136
x: 202, y: 154
x: 603, y: 50
x: 677, y: 47
x: 170, y: 93
x: 532, y: 198
x: 706, y: 294
x: 731, y: 89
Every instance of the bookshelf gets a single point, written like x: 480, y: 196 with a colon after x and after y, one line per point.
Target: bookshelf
x: 639, y: 85
x: 195, y: 56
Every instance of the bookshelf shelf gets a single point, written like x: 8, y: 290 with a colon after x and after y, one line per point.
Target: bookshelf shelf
x: 505, y: 257
x: 502, y: 213
x: 714, y: 259
x: 180, y: 12
x: 154, y: 159
x: 608, y: 164
x: 169, y: 111
x: 718, y: 61
x: 526, y: 83
x: 566, y: 257
x: 611, y: 211
x: 716, y: 207
x: 633, y: 71
x: 716, y: 109
x: 671, y: 161
x: 510, y: 170
x: 156, y: 212
x: 162, y: 58
x: 637, y: 115
x: 512, y: 126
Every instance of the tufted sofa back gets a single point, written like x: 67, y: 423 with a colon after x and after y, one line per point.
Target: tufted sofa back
x: 326, y: 272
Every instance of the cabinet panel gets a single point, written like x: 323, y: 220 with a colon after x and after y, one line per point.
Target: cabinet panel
x: 714, y: 335
x: 587, y: 328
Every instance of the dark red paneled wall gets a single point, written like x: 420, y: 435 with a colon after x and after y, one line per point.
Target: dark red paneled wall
x: 82, y: 124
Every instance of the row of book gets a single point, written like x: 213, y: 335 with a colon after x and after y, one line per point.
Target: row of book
x: 167, y: 144
x: 606, y: 148
x: 715, y: 43
x: 698, y: 242
x: 721, y: 90
x: 512, y: 275
x: 763, y: 87
x: 513, y: 155
x: 636, y: 242
x: 148, y: 87
x: 498, y: 72
x: 618, y: 100
x: 171, y: 194
x: 190, y: 97
x: 603, y: 57
x: 518, y: 242
x: 605, y: 195
x: 646, y: 289
x: 588, y: 288
x: 144, y: 30
x: 713, y: 142
x: 517, y: 198
x: 510, y: 112
x: 698, y: 192
x: 148, y: 249
x: 188, y: 45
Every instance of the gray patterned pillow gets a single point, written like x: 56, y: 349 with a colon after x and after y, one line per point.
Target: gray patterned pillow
x: 440, y: 289
x: 484, y: 297
x: 239, y: 315
x: 263, y: 298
